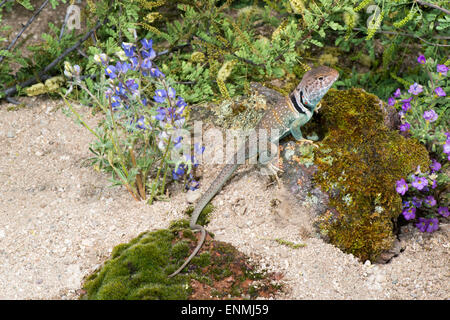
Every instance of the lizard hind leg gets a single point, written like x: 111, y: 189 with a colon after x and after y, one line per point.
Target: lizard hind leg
x: 269, y: 161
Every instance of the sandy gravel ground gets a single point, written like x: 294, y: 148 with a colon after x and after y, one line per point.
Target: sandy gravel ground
x: 59, y: 220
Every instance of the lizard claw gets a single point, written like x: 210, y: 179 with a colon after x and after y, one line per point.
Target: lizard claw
x: 308, y: 141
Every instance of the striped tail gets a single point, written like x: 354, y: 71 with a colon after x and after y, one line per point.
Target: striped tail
x: 213, y: 189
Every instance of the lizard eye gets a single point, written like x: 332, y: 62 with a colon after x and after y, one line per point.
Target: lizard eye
x: 320, y: 78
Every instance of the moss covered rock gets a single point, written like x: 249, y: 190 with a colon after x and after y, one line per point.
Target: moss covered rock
x: 139, y: 270
x: 358, y: 161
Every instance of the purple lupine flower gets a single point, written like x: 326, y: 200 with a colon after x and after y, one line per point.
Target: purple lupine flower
x: 111, y: 72
x: 401, y: 186
x: 447, y: 135
x: 177, y: 142
x: 147, y: 44
x: 154, y: 72
x: 140, y: 123
x: 439, y: 92
x: 171, y: 92
x: 409, y: 213
x: 397, y: 93
x: 132, y: 85
x: 150, y: 54
x: 419, y: 183
x: 442, y: 69
x: 146, y: 64
x: 443, y: 211
x: 421, y: 59
x: 422, y: 224
x: 161, y: 114
x: 405, y: 127
x: 430, y: 115
x: 435, y: 166
x: 129, y: 49
x: 176, y: 174
x: 198, y: 148
x: 122, y: 67
x: 433, y: 225
x: 115, y: 102
x: 430, y: 200
x: 415, y: 89
x: 160, y: 96
x: 391, y: 101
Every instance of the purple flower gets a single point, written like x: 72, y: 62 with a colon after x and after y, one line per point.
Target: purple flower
x: 435, y: 166
x: 409, y: 213
x: 391, y: 101
x: 123, y: 67
x: 132, y: 85
x: 419, y: 183
x: 111, y: 71
x: 147, y: 44
x: 447, y: 147
x: 140, y: 123
x: 115, y: 102
x: 417, y: 202
x: 415, y: 89
x: 198, y: 148
x: 397, y: 93
x: 129, y: 49
x: 405, y: 126
x: 440, y: 92
x: 433, y: 225
x: 176, y: 174
x: 161, y: 114
x: 406, y: 106
x: 401, y: 186
x: 151, y: 54
x: 146, y: 64
x: 428, y: 225
x: 430, y: 201
x: 421, y: 59
x: 442, y: 69
x: 430, y: 115
x: 422, y: 224
x: 407, y: 100
x: 160, y: 96
x: 433, y: 184
x: 154, y: 72
x: 443, y: 211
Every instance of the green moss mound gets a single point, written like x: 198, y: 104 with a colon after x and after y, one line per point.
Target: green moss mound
x: 359, y: 161
x: 139, y: 270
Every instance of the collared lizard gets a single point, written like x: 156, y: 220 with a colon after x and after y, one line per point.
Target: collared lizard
x: 285, y: 118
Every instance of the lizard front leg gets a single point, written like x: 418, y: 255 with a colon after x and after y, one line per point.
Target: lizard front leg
x: 296, y: 131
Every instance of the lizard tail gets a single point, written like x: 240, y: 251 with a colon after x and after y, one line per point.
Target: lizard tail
x: 218, y: 183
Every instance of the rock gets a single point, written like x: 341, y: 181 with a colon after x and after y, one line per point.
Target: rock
x: 193, y: 196
x: 347, y: 184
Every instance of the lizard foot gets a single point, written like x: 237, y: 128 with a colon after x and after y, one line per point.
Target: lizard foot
x: 275, y: 170
x: 308, y: 141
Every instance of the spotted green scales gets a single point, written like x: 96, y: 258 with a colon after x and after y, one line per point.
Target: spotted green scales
x: 277, y: 122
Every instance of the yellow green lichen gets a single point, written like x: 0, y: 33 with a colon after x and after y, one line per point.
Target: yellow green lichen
x: 359, y: 161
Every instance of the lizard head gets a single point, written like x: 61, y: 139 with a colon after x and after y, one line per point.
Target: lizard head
x: 315, y: 83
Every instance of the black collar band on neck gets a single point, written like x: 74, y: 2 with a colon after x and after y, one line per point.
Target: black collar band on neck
x: 296, y: 106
